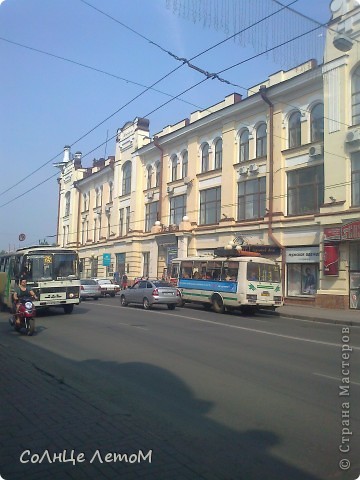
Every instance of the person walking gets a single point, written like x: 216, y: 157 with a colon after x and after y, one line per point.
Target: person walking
x: 124, y: 282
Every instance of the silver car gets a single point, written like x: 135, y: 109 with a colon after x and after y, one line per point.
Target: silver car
x: 89, y: 289
x: 149, y: 293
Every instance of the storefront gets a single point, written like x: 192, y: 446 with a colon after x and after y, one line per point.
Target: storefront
x: 302, y: 271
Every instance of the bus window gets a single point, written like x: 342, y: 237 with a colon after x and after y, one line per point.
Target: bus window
x: 230, y: 271
x: 186, y: 269
x: 253, y: 271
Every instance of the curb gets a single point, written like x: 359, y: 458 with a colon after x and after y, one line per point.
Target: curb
x: 295, y: 316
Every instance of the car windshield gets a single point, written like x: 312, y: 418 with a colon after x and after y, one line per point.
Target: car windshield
x: 163, y: 284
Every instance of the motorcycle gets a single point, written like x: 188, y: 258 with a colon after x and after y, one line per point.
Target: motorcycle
x: 26, y: 314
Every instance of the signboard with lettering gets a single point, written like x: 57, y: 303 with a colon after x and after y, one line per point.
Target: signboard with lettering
x: 351, y: 231
x: 303, y: 255
x: 332, y: 234
x: 106, y: 259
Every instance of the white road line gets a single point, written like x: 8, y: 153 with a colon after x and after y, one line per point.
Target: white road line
x: 238, y: 327
x: 334, y: 378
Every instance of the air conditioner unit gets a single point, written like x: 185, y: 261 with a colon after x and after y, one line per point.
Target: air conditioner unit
x: 150, y: 195
x: 187, y: 181
x: 253, y: 168
x: 316, y: 151
x: 170, y: 190
x: 352, y: 136
x: 243, y: 170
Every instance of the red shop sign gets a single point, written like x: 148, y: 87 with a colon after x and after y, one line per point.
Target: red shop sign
x: 351, y: 231
x: 332, y: 233
x: 331, y: 259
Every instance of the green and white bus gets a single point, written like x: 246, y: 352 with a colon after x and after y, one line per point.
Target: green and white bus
x: 235, y: 280
x: 51, y: 272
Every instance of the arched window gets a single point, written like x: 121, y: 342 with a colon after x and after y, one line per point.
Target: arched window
x: 157, y: 174
x: 174, y: 165
x: 244, y: 146
x: 218, y: 154
x: 67, y: 204
x: 317, y: 123
x: 184, y: 166
x: 205, y: 157
x: 126, y: 180
x: 149, y: 176
x: 295, y: 130
x: 261, y: 146
x: 355, y: 97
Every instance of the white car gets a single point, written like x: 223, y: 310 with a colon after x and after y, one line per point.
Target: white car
x: 107, y: 287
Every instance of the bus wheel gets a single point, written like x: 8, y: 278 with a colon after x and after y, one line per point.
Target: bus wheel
x: 68, y: 309
x: 218, y: 304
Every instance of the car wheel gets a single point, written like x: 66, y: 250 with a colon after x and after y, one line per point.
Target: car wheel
x: 68, y: 308
x: 171, y: 306
x: 218, y: 304
x: 123, y: 301
x: 146, y: 304
x: 112, y: 294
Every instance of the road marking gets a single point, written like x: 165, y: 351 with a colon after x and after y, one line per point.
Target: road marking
x: 238, y: 327
x: 333, y: 378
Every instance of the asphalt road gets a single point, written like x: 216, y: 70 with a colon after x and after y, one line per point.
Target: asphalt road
x: 242, y: 397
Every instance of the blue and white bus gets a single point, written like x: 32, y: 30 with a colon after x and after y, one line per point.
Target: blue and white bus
x: 235, y: 280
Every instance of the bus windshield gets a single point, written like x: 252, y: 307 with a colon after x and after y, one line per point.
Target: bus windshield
x: 52, y: 266
x: 263, y: 272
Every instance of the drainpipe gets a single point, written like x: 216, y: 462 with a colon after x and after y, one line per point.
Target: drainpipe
x: 271, y: 183
x: 156, y: 143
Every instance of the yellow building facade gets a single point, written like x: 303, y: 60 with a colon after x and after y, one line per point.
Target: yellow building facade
x: 279, y: 168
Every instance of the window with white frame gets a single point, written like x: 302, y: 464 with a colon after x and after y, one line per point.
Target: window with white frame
x: 121, y: 222
x: 261, y: 140
x: 151, y: 215
x: 177, y: 209
x: 205, y: 158
x: 126, y: 180
x: 157, y: 174
x: 174, y: 168
x: 295, y: 130
x: 317, y: 123
x: 252, y: 198
x: 218, y: 154
x: 210, y: 206
x: 355, y: 97
x: 305, y: 190
x: 149, y: 176
x: 244, y: 146
x: 355, y: 179
x: 67, y: 204
x: 111, y: 191
x: 146, y: 264
x: 127, y: 226
x: 184, y: 165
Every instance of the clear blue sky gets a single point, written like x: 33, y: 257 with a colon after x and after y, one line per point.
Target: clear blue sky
x: 46, y: 102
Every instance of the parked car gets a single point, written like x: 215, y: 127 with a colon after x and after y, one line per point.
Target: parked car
x: 149, y: 293
x: 107, y: 287
x: 89, y: 289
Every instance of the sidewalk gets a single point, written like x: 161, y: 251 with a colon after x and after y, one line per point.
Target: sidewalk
x: 326, y: 315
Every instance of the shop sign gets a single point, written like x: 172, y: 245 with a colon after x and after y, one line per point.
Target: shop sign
x: 332, y: 234
x: 351, y: 231
x: 303, y: 255
x: 106, y: 259
x: 331, y: 259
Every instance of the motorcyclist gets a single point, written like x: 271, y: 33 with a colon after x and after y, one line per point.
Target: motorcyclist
x: 21, y: 291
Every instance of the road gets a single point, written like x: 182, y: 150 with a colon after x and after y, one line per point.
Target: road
x: 235, y: 396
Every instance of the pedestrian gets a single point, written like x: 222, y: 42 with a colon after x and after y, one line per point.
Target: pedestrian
x: 117, y: 278
x: 124, y: 282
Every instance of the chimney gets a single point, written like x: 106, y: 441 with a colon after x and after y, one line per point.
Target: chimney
x: 77, y: 159
x: 66, y: 158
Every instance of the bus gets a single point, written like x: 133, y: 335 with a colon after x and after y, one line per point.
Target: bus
x: 51, y: 272
x: 229, y: 280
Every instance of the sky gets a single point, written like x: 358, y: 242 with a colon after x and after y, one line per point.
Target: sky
x: 74, y: 71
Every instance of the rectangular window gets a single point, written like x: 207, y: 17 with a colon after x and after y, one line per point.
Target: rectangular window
x: 355, y: 179
x: 302, y: 279
x: 121, y: 222
x: 146, y: 264
x: 252, y: 198
x: 151, y: 214
x: 210, y: 206
x: 177, y: 209
x: 127, y: 220
x: 305, y: 190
